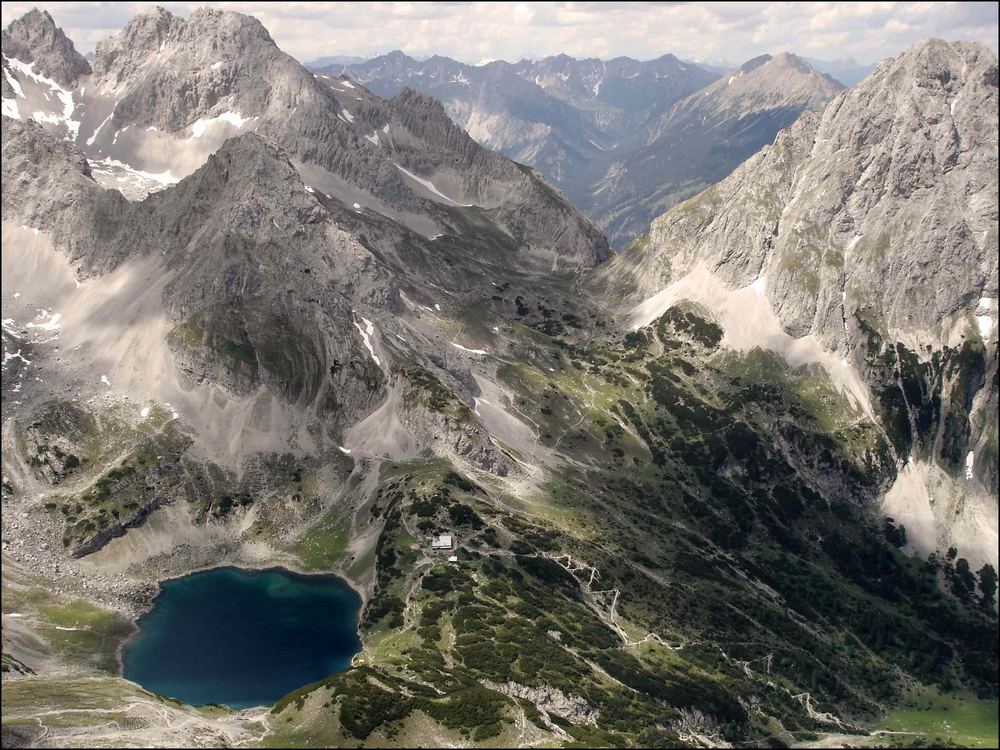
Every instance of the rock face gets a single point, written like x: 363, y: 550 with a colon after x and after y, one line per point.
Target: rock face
x: 608, y: 133
x: 872, y: 227
x: 235, y: 312
x: 172, y: 74
x: 901, y: 167
x: 34, y: 38
x: 48, y: 184
x: 276, y: 288
x: 715, y: 129
x: 572, y: 708
x: 166, y: 92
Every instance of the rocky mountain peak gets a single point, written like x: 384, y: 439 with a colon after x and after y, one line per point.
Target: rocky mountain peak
x: 921, y: 130
x: 945, y: 67
x: 166, y: 72
x: 249, y: 160
x: 210, y: 35
x: 415, y: 101
x: 669, y: 58
x: 755, y: 62
x: 397, y: 56
x: 794, y: 62
x: 35, y: 38
x: 145, y: 33
x: 783, y: 77
x: 226, y: 27
x: 167, y: 93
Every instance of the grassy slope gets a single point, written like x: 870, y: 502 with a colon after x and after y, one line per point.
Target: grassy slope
x: 679, y: 576
x: 724, y: 576
x: 943, y: 720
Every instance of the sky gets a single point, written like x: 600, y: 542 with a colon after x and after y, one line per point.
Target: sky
x: 474, y: 32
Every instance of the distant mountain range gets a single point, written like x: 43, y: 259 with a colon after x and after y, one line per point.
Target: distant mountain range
x: 610, y: 133
x: 847, y: 70
x: 322, y: 62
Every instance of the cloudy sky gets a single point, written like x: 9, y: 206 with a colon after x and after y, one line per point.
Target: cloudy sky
x: 472, y: 32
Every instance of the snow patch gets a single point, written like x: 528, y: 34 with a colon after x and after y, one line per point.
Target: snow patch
x: 8, y: 356
x: 64, y: 96
x: 429, y: 185
x: 986, y: 314
x: 14, y: 83
x: 233, y: 118
x: 985, y: 325
x: 50, y: 321
x: 163, y: 178
x: 366, y: 335
x: 470, y: 351
x: 90, y: 141
x: 970, y: 463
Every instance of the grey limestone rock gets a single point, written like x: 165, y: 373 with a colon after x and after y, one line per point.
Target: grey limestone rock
x: 35, y: 38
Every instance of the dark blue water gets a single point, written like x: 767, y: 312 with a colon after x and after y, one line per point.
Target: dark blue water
x: 243, y: 638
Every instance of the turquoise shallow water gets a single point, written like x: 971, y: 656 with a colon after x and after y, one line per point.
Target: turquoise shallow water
x: 243, y: 638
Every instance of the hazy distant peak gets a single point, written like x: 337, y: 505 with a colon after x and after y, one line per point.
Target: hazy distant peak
x: 755, y: 62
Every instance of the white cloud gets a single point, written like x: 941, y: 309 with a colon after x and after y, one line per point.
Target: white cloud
x: 472, y: 31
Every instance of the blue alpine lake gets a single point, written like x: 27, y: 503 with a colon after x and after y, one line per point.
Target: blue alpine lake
x: 243, y: 638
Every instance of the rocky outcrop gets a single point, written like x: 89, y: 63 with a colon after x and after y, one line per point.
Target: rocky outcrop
x: 48, y: 185
x: 553, y: 702
x: 446, y: 424
x: 34, y: 38
x: 55, y: 443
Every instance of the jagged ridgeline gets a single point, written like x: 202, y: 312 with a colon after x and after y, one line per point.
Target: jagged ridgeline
x: 610, y: 133
x: 255, y: 316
